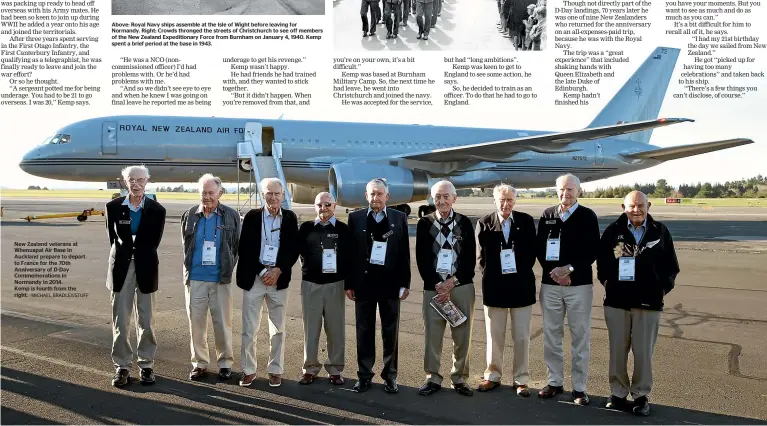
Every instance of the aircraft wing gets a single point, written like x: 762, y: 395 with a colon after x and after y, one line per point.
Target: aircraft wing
x: 549, y: 143
x: 675, y: 152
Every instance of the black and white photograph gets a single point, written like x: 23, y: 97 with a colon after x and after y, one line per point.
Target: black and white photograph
x: 218, y: 7
x: 477, y: 25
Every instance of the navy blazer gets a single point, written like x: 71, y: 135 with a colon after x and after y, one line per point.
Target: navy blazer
x: 249, y: 250
x: 143, y: 250
x: 397, y: 263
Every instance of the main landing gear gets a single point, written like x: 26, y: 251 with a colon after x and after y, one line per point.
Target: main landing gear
x: 426, y: 210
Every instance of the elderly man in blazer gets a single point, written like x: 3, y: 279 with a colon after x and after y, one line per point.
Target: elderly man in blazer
x: 446, y: 254
x: 267, y: 253
x: 506, y: 259
x: 379, y: 277
x: 135, y: 225
x: 637, y: 264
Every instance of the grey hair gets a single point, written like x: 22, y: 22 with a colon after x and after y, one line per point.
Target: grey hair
x: 566, y: 177
x: 207, y: 177
x: 504, y: 187
x: 378, y: 182
x: 540, y: 11
x: 322, y: 194
x: 126, y: 172
x: 266, y: 181
x: 446, y: 183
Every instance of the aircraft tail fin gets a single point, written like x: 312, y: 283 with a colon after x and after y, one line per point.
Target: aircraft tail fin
x: 641, y: 96
x: 676, y: 152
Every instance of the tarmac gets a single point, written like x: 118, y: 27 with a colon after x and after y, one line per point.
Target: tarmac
x: 709, y: 363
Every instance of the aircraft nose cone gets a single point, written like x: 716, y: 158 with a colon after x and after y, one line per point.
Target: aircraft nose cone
x: 27, y: 161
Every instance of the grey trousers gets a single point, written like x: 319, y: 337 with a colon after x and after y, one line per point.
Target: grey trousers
x: 636, y: 329
x: 203, y: 297
x: 434, y: 331
x: 127, y: 302
x: 323, y: 301
x: 575, y: 302
x: 423, y: 16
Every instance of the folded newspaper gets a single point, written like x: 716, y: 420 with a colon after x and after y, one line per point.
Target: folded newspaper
x: 448, y: 311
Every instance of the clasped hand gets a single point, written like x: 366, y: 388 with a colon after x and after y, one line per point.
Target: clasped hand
x: 561, y: 275
x: 271, y: 276
x: 443, y: 290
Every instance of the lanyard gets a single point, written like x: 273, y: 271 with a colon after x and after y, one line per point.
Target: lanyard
x: 268, y: 235
x: 205, y: 228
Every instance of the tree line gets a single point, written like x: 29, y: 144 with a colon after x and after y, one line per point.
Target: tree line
x: 755, y: 187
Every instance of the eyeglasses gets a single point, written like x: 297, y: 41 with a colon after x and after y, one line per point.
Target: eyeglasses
x: 136, y: 180
x: 272, y: 194
x: 326, y: 205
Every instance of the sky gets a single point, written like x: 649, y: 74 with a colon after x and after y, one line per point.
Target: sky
x: 24, y: 128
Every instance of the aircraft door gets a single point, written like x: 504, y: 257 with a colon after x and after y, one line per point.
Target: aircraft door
x: 109, y: 137
x: 599, y: 157
x: 253, y: 134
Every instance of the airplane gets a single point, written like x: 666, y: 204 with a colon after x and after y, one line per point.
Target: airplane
x: 342, y: 157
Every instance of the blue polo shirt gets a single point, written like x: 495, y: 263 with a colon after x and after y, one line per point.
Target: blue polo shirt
x: 206, y: 231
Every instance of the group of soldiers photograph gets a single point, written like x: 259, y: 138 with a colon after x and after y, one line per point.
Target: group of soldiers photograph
x: 368, y: 261
x: 396, y: 13
x: 523, y: 22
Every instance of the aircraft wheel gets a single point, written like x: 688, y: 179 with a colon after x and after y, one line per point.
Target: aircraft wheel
x: 82, y: 218
x: 426, y: 210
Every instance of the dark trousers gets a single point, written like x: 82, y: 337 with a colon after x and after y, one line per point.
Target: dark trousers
x: 406, y: 6
x: 366, y: 332
x: 392, y: 26
x: 375, y: 15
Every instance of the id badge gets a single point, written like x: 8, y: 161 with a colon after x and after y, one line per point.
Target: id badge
x: 508, y: 262
x: 445, y: 261
x: 209, y: 253
x: 123, y: 222
x: 552, y: 249
x: 626, y: 268
x: 378, y: 254
x: 328, y: 261
x: 269, y: 255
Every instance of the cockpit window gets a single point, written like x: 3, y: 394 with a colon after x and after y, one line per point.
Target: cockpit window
x: 57, y: 139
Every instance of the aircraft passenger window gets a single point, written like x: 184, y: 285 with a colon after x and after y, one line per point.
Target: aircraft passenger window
x: 317, y: 141
x: 65, y: 139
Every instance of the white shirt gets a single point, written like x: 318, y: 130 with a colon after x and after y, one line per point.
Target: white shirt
x: 378, y: 216
x: 565, y: 214
x: 332, y: 220
x: 506, y: 225
x: 270, y: 231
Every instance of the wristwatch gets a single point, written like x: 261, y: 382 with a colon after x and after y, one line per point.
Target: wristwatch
x: 570, y: 268
x: 455, y: 282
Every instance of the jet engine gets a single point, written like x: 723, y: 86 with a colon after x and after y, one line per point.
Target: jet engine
x: 303, y: 194
x: 347, y: 183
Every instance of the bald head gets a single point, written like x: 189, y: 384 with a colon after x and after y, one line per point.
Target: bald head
x: 636, y: 205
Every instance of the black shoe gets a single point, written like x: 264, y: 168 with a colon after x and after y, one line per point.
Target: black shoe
x: 641, y: 406
x: 224, y: 373
x: 364, y: 34
x: 147, y: 376
x: 429, y: 388
x: 580, y: 398
x: 197, y: 373
x: 462, y: 389
x: 121, y: 377
x: 616, y: 403
x: 362, y: 385
x: 549, y: 391
x: 390, y: 386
